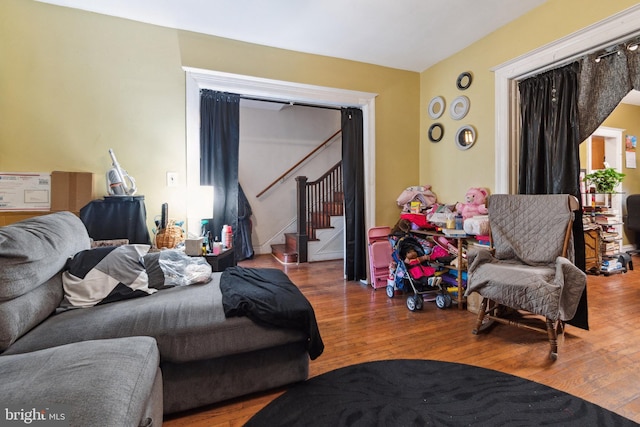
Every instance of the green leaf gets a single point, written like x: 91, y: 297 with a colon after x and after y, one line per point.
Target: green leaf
x: 604, y: 180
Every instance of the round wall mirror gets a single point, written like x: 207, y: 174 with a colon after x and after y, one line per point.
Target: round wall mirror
x: 464, y: 80
x: 459, y: 107
x: 436, y: 132
x: 465, y: 137
x: 436, y: 107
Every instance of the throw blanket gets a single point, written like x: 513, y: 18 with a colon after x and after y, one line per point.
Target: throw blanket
x: 267, y: 296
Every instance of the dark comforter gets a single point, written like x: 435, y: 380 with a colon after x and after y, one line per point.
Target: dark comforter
x: 267, y: 296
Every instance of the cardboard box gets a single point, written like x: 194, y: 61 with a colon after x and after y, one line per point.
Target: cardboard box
x: 474, y: 300
x: 70, y: 191
x: 25, y: 191
x: 7, y: 218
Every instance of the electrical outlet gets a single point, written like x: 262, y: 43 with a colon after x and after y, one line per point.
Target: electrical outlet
x: 172, y: 179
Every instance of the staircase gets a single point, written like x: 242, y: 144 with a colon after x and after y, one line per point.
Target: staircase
x: 320, y: 221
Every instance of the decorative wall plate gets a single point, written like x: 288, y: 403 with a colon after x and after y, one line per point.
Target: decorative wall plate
x: 436, y: 132
x: 464, y: 80
x: 459, y: 107
x: 465, y: 137
x: 436, y: 107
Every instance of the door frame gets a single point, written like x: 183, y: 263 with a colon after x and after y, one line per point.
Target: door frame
x: 614, y: 29
x: 197, y: 79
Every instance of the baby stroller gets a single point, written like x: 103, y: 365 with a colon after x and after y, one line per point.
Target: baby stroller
x: 415, y: 275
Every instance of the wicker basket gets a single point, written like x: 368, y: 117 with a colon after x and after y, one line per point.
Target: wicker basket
x: 170, y: 236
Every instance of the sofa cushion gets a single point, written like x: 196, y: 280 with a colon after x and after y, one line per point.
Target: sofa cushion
x: 33, y: 250
x: 105, y: 274
x: 32, y: 253
x: 188, y: 323
x: 19, y: 315
x: 102, y: 383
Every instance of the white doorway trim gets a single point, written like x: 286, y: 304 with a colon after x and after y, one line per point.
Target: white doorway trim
x: 616, y: 28
x: 197, y: 79
x: 613, y: 147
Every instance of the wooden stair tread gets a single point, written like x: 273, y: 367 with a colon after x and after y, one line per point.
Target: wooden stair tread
x: 284, y: 253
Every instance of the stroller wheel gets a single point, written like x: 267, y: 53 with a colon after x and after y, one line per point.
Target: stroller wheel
x: 441, y: 301
x: 419, y: 302
x: 447, y: 300
x: 390, y: 291
x: 412, y: 303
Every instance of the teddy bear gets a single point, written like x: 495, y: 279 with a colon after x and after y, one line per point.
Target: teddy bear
x: 474, y: 203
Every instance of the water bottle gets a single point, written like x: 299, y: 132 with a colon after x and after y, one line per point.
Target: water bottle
x: 229, y: 237
x: 224, y: 235
x: 217, y: 247
x: 459, y: 222
x: 209, y: 241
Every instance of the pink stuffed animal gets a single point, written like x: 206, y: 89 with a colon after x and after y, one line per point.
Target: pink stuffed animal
x: 474, y: 203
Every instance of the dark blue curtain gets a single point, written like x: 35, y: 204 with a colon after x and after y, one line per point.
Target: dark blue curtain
x: 219, y: 147
x: 549, y: 149
x: 354, y: 190
x: 242, y: 237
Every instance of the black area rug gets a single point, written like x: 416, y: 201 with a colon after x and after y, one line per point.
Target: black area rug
x: 428, y: 393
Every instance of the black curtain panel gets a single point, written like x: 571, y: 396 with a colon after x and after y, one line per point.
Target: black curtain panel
x: 549, y: 143
x: 353, y: 181
x: 549, y: 149
x: 219, y: 148
x: 242, y: 237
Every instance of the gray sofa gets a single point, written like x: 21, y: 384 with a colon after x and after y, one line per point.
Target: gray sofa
x: 195, y: 356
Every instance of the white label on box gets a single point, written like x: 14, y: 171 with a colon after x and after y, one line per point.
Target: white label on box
x: 25, y: 191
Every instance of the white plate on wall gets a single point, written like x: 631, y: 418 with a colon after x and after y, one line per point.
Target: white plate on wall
x: 459, y: 107
x: 436, y: 107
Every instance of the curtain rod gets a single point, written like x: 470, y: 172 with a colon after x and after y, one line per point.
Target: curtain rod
x: 301, y: 104
x: 603, y: 48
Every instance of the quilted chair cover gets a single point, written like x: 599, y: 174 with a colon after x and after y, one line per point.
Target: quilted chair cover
x: 528, y: 271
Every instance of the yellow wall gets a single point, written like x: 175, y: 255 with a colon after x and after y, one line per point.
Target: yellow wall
x: 627, y: 117
x: 74, y: 84
x: 451, y: 171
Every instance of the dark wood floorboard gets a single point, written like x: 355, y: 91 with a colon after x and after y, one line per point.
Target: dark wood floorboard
x: 359, y: 324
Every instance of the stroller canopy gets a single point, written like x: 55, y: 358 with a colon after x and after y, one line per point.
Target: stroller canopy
x: 406, y: 243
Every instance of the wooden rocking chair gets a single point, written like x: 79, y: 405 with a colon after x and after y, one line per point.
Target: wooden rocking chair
x: 529, y: 269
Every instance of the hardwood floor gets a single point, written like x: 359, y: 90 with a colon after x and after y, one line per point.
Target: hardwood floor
x: 359, y: 324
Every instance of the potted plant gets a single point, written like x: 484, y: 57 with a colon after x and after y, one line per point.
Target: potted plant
x: 605, y: 180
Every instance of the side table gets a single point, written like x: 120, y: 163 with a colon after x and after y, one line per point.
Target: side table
x: 117, y: 217
x: 221, y: 262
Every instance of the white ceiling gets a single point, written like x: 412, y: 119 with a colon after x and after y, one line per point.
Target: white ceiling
x: 405, y: 34
x: 632, y: 98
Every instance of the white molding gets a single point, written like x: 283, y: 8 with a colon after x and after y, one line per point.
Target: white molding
x: 614, y: 134
x: 606, y: 32
x: 197, y: 78
x: 278, y: 89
